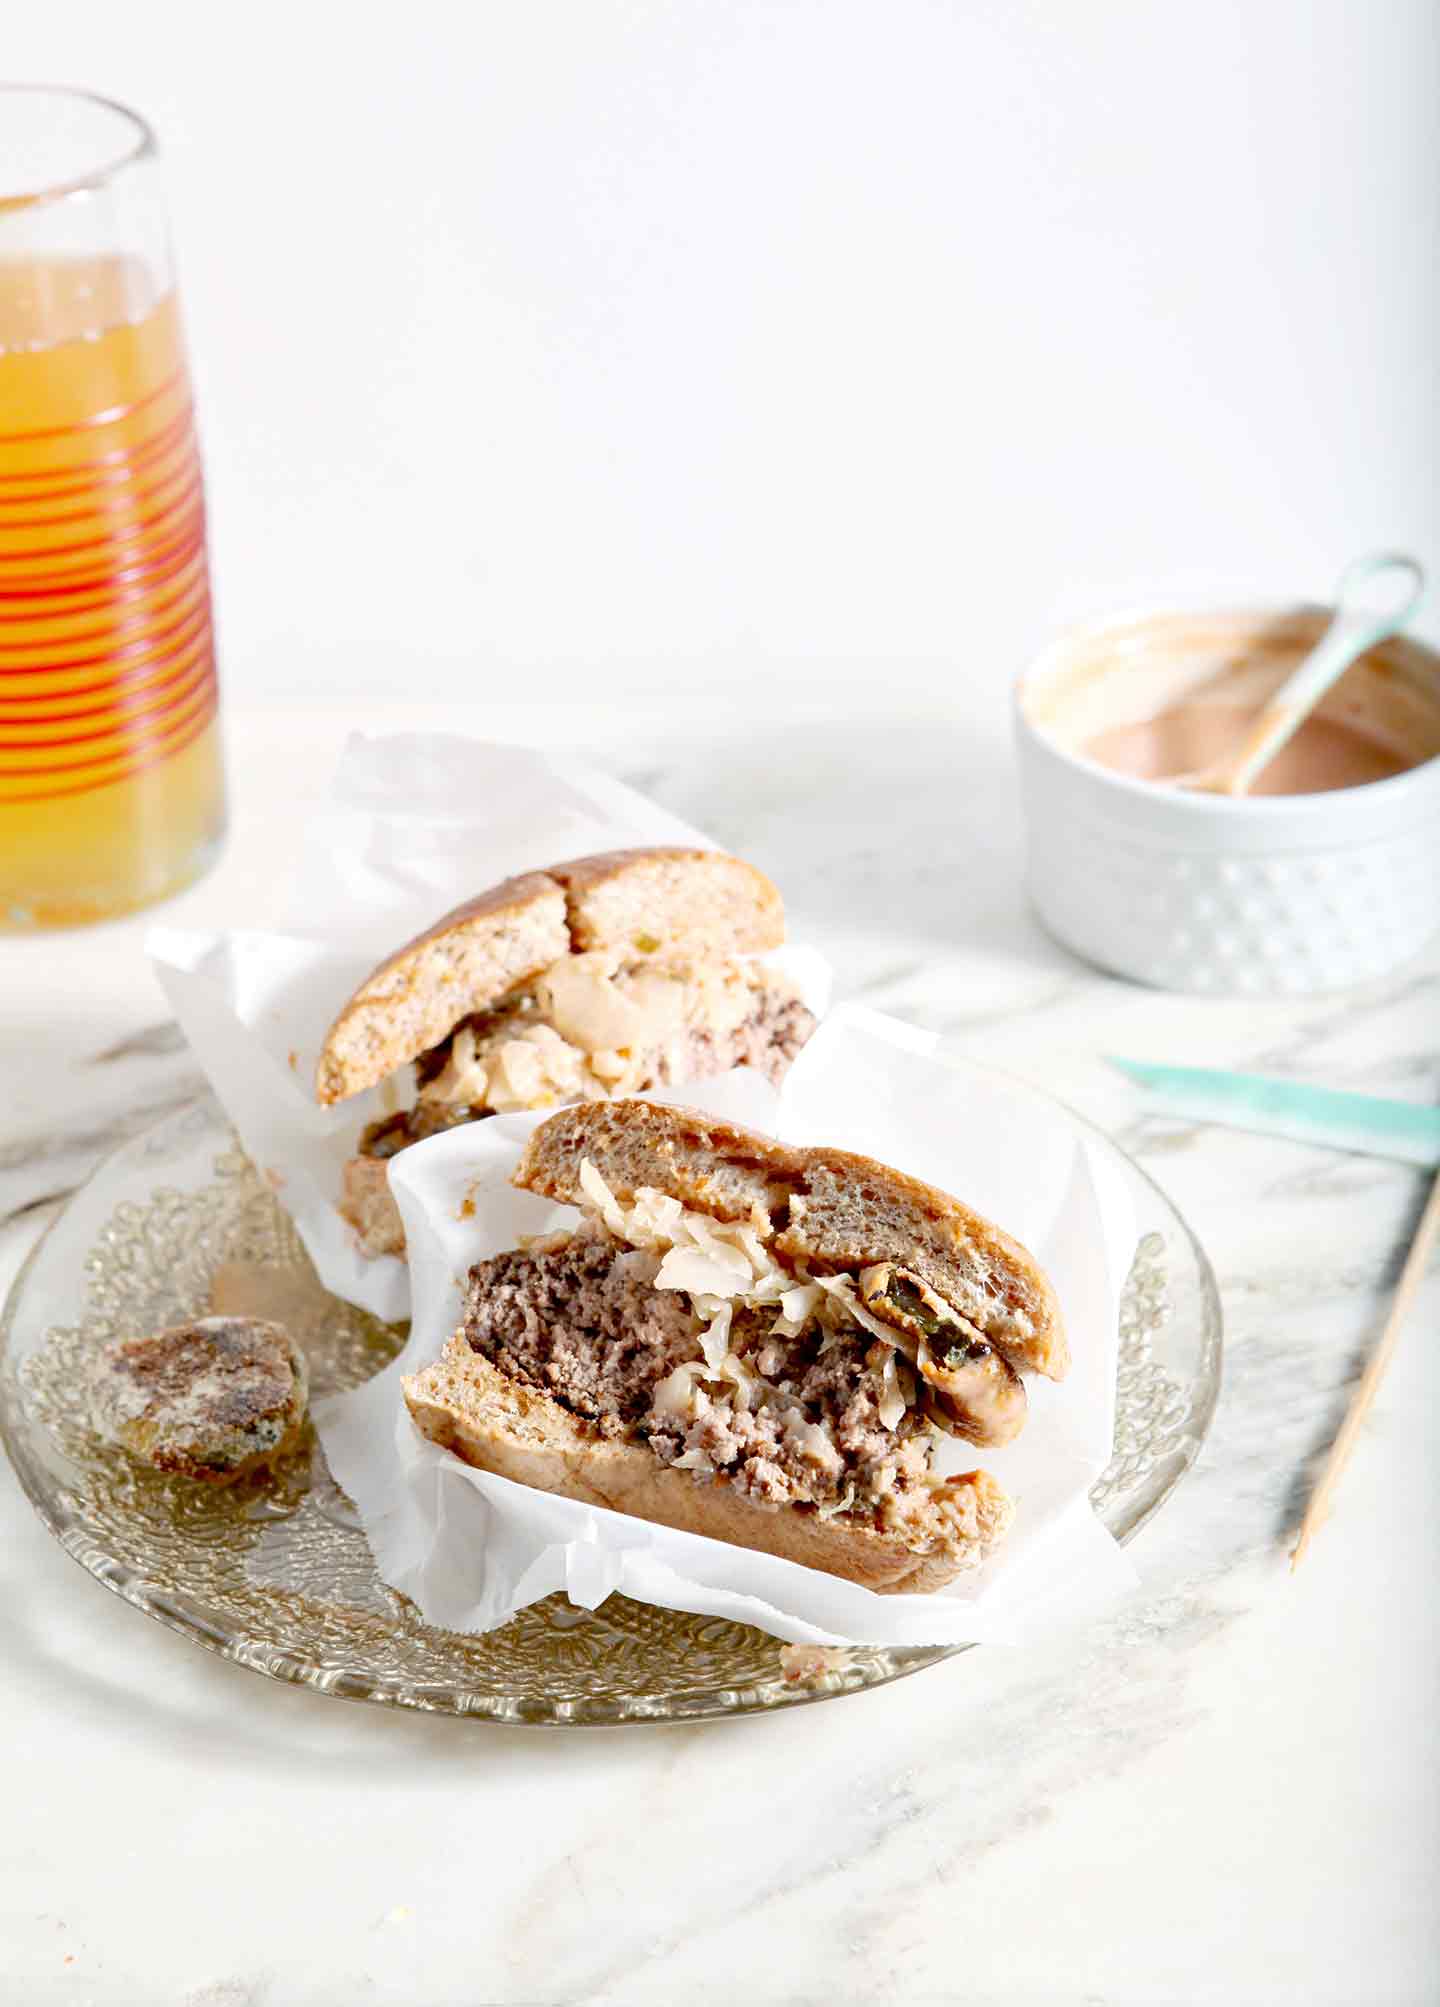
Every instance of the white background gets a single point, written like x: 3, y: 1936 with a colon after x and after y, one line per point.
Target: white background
x: 780, y: 341
x: 779, y: 344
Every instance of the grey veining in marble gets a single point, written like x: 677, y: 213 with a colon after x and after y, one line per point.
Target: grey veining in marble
x: 110, y: 1096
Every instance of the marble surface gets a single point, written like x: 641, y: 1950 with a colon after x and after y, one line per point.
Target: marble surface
x: 1226, y: 1792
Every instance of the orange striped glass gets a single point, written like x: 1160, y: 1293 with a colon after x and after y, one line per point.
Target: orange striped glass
x: 111, y: 783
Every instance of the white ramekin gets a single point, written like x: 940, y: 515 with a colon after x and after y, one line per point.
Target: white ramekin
x: 1279, y: 895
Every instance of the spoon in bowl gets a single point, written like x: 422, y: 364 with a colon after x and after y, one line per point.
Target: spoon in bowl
x: 1375, y: 598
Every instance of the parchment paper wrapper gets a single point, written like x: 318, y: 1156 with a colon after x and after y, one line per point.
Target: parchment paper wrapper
x: 414, y: 823
x: 471, y: 1548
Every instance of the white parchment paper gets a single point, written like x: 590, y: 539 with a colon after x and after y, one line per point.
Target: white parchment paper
x: 414, y: 823
x: 471, y: 1548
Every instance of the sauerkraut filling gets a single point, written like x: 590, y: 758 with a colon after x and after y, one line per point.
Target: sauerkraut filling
x: 596, y: 1025
x: 658, y: 1324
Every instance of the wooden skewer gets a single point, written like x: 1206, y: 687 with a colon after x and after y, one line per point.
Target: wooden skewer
x: 1317, y: 1511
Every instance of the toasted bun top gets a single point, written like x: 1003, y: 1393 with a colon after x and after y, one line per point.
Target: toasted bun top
x: 483, y: 951
x: 830, y: 1208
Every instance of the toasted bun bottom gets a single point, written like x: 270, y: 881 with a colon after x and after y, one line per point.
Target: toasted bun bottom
x: 465, y: 1404
x: 368, y: 1205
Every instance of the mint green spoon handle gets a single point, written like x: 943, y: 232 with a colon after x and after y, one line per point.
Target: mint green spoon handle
x: 1359, y: 623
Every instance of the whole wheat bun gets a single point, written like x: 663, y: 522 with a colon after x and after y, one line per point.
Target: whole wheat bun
x: 493, y: 945
x: 466, y: 1405
x: 830, y: 1208
x: 368, y: 1205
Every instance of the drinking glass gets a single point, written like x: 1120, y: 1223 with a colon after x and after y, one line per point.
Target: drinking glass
x: 111, y: 783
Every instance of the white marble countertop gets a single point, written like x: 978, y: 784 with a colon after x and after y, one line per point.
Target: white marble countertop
x: 1228, y: 1792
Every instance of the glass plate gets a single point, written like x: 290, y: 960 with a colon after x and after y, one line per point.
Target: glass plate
x: 275, y: 1572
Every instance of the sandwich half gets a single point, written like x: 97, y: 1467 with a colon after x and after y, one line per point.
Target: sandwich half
x: 754, y: 1342
x: 609, y: 975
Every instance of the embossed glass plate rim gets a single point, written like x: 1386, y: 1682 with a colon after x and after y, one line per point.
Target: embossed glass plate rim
x: 181, y: 1613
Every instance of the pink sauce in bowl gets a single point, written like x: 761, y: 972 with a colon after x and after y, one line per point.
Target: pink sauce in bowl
x: 1325, y: 753
x: 1328, y: 875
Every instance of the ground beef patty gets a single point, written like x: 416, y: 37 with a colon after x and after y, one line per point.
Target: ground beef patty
x: 816, y: 1437
x: 768, y: 1040
x: 581, y: 1321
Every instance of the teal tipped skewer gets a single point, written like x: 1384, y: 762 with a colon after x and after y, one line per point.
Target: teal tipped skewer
x: 1346, y: 1122
x: 1318, y: 1510
x: 1364, y: 1122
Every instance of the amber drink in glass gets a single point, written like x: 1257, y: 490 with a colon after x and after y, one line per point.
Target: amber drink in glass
x: 111, y: 784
